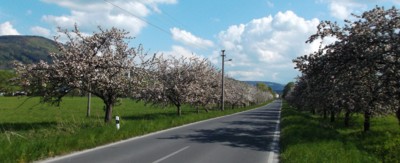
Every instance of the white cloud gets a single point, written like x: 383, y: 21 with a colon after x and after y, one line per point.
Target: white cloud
x: 92, y: 13
x: 188, y: 38
x: 342, y: 9
x: 7, y: 29
x: 246, y: 74
x: 179, y: 51
x: 263, y: 49
x: 40, y: 31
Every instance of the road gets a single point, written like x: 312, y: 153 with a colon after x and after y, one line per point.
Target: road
x: 250, y: 137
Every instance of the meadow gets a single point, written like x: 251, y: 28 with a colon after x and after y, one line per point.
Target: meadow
x: 30, y: 130
x: 310, y: 138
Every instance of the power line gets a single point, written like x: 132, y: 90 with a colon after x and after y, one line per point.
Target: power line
x: 144, y: 20
x: 151, y: 24
x: 174, y: 20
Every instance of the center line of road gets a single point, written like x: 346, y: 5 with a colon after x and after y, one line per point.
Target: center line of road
x: 167, y: 156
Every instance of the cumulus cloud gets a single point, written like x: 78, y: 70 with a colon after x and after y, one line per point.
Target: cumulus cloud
x: 246, y: 75
x: 188, y: 38
x: 342, y: 9
x: 92, y: 13
x: 263, y: 48
x: 179, y: 51
x: 40, y: 31
x: 6, y: 28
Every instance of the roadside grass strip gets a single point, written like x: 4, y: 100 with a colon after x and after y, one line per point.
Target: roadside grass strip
x: 309, y: 138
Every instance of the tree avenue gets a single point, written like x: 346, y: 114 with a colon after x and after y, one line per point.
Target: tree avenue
x: 104, y: 65
x: 358, y: 73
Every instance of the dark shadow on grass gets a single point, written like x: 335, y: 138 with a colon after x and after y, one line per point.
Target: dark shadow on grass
x: 25, y: 101
x: 301, y: 128
x: 20, y: 126
x: 151, y: 116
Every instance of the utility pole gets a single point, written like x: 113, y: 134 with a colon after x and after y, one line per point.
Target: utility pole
x: 88, y: 102
x: 222, y: 79
x: 88, y: 105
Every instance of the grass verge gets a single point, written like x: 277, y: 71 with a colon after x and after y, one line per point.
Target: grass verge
x: 32, y: 131
x: 308, y: 138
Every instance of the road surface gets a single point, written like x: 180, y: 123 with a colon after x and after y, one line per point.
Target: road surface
x: 247, y: 137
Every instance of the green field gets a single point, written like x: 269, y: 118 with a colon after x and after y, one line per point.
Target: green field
x: 33, y: 131
x: 308, y: 138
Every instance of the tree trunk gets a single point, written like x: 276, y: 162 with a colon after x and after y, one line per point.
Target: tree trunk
x: 198, y: 110
x: 367, y: 119
x: 332, y: 116
x: 179, y: 110
x: 108, y: 116
x: 347, y: 119
x: 325, y: 114
x: 88, y: 105
x: 205, y: 108
x: 398, y: 115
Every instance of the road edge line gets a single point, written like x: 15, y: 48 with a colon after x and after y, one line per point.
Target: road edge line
x: 275, y: 140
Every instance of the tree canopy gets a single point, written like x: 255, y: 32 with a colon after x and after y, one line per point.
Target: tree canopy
x: 101, y: 64
x: 359, y: 72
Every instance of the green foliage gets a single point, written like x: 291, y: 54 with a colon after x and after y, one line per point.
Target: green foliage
x: 288, y: 87
x: 263, y: 87
x: 30, y: 130
x: 6, y: 85
x: 276, y: 87
x: 307, y: 138
x: 25, y: 49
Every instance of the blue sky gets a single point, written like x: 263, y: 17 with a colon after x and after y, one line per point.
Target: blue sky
x: 261, y: 36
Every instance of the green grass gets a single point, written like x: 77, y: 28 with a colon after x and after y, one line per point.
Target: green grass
x: 32, y: 131
x: 307, y: 138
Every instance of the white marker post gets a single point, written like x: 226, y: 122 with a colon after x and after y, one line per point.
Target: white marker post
x: 117, y: 121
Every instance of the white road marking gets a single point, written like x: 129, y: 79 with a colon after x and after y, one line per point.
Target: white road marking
x: 276, y: 138
x: 174, y: 153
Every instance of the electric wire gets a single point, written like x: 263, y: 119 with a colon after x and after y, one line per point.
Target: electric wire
x: 152, y: 24
x: 138, y: 17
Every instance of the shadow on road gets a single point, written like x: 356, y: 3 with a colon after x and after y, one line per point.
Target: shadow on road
x: 255, y: 131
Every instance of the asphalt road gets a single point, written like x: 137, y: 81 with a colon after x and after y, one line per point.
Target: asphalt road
x: 247, y: 137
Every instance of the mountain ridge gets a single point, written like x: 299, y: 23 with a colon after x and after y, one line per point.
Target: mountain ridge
x: 276, y: 87
x: 25, y: 48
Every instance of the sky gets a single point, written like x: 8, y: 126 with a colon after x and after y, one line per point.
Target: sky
x: 262, y: 37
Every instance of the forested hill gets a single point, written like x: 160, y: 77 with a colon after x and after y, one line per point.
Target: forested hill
x: 276, y: 87
x: 26, y: 49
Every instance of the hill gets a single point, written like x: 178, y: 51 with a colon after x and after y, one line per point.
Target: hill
x: 26, y: 49
x: 276, y: 87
